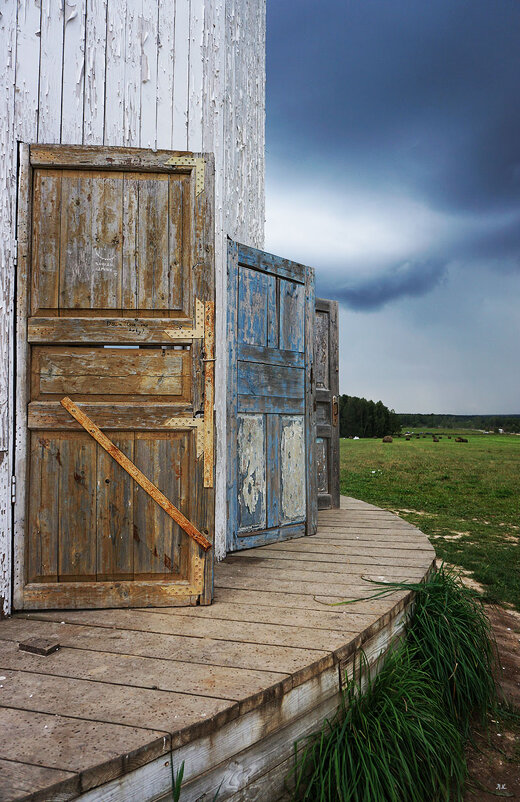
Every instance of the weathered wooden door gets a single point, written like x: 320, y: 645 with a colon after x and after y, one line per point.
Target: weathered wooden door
x: 115, y: 309
x: 271, y: 472
x: 326, y: 372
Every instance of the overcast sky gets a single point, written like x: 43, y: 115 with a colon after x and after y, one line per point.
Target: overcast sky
x: 393, y: 168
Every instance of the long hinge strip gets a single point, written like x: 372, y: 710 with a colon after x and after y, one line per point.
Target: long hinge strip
x: 190, y: 161
x: 209, y: 391
x: 135, y: 473
x: 204, y: 328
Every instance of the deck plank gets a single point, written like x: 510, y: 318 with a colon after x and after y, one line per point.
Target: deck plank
x: 112, y: 704
x: 245, y: 649
x: 218, y: 682
x: 19, y: 780
x: 190, y: 631
x: 94, y: 750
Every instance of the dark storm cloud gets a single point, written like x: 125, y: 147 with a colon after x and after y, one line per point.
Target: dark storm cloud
x: 393, y: 167
x: 420, y: 94
x: 409, y: 279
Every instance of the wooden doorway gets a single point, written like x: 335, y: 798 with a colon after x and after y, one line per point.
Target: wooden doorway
x: 115, y: 310
x: 271, y: 471
x: 326, y: 371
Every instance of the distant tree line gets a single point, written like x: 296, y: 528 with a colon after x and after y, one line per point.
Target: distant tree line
x: 361, y: 418
x: 488, y: 423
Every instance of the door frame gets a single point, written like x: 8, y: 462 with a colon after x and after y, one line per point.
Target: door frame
x: 198, y: 588
x: 252, y: 257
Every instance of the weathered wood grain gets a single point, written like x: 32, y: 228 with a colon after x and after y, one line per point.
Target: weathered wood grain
x: 319, y: 602
x: 46, y: 241
x: 339, y: 618
x: 77, y: 508
x: 44, y: 505
x: 111, y: 703
x: 190, y: 628
x: 202, y: 679
x: 244, y: 650
x: 114, y: 514
x: 117, y: 330
x: 310, y: 411
x: 110, y: 372
x: 106, y: 246
x: 159, y: 547
x: 73, y: 77
x: 96, y: 57
x: 93, y: 750
x: 99, y: 594
x: 27, y: 781
x: 165, y: 417
x: 135, y: 473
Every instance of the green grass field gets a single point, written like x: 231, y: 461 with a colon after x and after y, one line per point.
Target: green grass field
x: 464, y: 496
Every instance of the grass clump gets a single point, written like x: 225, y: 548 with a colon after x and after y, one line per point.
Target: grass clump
x: 452, y: 638
x: 390, y: 740
x: 399, y: 737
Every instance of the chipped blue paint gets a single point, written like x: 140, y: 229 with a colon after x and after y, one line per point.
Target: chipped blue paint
x: 270, y: 410
x: 251, y: 446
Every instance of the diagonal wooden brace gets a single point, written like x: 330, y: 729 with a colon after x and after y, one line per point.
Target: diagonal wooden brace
x: 135, y: 473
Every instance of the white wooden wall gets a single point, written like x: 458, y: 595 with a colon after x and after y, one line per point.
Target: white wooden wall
x: 174, y: 74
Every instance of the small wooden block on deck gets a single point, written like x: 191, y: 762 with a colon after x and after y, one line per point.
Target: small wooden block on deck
x: 43, y: 646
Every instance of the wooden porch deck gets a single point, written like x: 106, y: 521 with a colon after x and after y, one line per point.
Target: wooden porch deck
x: 226, y: 688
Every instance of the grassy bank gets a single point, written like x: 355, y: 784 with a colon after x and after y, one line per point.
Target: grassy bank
x: 464, y: 496
x: 399, y: 736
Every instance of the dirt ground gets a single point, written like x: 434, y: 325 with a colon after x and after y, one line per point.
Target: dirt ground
x: 494, y: 760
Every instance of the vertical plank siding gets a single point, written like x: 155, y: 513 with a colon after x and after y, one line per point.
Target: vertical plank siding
x: 174, y: 74
x: 7, y: 257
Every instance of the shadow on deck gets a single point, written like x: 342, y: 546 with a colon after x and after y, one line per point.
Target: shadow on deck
x: 226, y: 688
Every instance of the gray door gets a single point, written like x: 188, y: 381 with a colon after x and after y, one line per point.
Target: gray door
x: 326, y: 371
x: 271, y: 435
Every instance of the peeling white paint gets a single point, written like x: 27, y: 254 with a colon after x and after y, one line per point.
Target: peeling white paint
x: 293, y: 468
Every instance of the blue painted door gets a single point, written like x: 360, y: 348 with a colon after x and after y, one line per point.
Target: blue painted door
x: 271, y: 482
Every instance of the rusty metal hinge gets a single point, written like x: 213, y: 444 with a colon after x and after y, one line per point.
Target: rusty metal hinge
x: 190, y: 161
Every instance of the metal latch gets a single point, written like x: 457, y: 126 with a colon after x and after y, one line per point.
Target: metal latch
x: 335, y: 410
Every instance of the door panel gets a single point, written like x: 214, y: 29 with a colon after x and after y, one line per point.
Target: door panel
x: 326, y: 366
x: 131, y: 257
x: 271, y: 473
x: 115, y: 305
x: 92, y: 373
